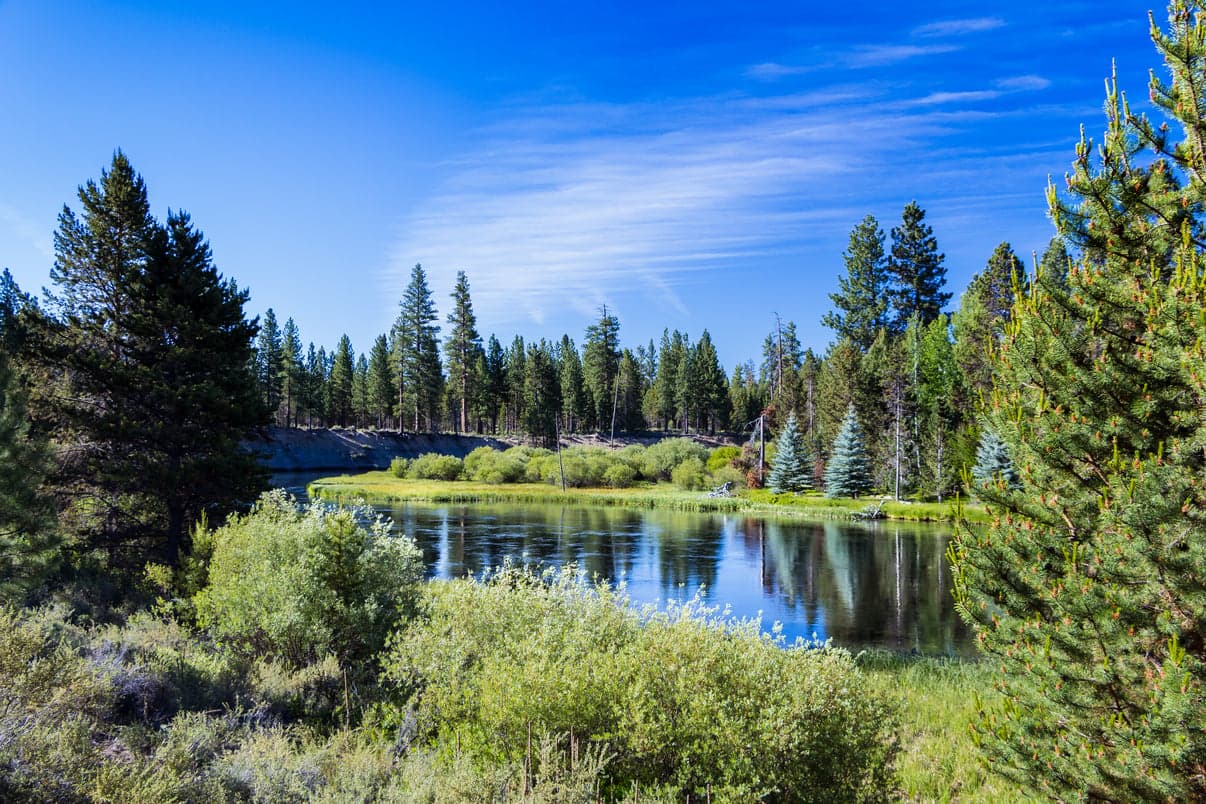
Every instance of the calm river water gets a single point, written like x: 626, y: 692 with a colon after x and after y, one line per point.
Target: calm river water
x: 882, y: 584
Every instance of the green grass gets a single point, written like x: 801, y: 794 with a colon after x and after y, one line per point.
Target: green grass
x: 938, y: 703
x: 384, y: 487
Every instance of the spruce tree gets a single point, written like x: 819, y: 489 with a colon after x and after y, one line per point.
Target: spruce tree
x: 145, y: 379
x: 792, y: 468
x: 993, y: 464
x: 848, y: 472
x: 915, y: 270
x: 861, y: 303
x: 1086, y: 590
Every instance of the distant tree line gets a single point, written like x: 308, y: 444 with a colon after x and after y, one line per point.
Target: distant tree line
x: 912, y: 373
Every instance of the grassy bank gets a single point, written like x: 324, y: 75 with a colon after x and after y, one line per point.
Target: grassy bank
x: 938, y: 700
x: 383, y: 487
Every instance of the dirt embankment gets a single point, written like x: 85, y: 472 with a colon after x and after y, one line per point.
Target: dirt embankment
x: 292, y: 450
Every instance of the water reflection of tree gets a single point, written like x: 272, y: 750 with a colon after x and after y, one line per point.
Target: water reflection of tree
x: 689, y: 548
x: 879, y: 584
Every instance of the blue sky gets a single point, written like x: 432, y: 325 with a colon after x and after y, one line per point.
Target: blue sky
x: 689, y: 165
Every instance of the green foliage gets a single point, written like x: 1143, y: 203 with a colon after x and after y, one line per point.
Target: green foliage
x: 488, y: 465
x: 993, y: 464
x: 791, y: 469
x: 416, y: 352
x: 433, y: 466
x: 689, y: 475
x: 723, y: 456
x: 660, y: 459
x: 620, y: 475
x: 915, y: 271
x: 298, y: 584
x: 675, y: 701
x: 861, y: 304
x: 399, y: 467
x: 143, y: 373
x: 1087, y: 589
x: 848, y: 473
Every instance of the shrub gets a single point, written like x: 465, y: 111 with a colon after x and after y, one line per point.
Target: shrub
x: 399, y: 466
x: 660, y: 459
x: 620, y: 475
x: 722, y: 457
x: 677, y: 701
x: 689, y: 475
x: 728, y: 474
x: 488, y: 465
x: 433, y: 466
x: 297, y: 584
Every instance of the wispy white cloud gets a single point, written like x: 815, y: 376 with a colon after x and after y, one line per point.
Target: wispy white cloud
x: 958, y: 27
x: 1023, y: 83
x: 571, y: 206
x: 970, y: 96
x: 881, y: 55
x: 773, y: 71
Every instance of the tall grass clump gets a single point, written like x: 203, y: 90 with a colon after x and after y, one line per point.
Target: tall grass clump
x: 675, y: 703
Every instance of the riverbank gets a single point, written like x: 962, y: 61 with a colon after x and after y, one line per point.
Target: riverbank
x: 382, y: 487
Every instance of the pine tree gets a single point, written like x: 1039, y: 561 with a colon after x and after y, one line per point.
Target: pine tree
x: 516, y: 375
x: 269, y: 362
x: 542, y: 394
x: 417, y: 352
x: 573, y: 390
x: 340, y: 383
x: 360, y: 392
x: 145, y: 358
x: 462, y: 347
x: 792, y: 467
x: 915, y: 271
x: 1086, y: 591
x: 983, y: 313
x: 380, y: 382
x: 861, y: 304
x: 848, y: 472
x: 993, y: 464
x: 496, y: 380
x: 673, y: 353
x: 600, y: 365
x: 12, y: 302
x: 291, y: 370
x: 713, y: 388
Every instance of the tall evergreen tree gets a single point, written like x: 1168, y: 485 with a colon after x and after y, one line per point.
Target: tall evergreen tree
x: 269, y: 362
x: 848, y: 471
x: 573, y: 388
x: 360, y: 392
x: 496, y: 380
x: 542, y: 394
x: 915, y: 271
x: 1086, y: 591
x: 600, y: 365
x: 713, y: 394
x: 291, y: 369
x: 516, y: 377
x: 12, y: 302
x: 146, y: 383
x: 380, y: 382
x: 993, y: 464
x: 983, y: 314
x: 673, y: 353
x: 462, y: 347
x: 417, y: 352
x: 791, y: 469
x: 861, y: 303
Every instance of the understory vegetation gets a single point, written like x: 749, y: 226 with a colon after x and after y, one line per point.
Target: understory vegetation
x: 301, y: 657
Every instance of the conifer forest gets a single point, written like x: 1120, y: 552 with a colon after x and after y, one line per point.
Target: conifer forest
x: 173, y: 628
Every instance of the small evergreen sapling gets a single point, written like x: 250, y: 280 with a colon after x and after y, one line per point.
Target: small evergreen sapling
x: 792, y: 467
x: 848, y: 473
x: 993, y: 463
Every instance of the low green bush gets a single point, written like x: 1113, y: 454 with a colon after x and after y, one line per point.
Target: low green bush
x: 398, y: 467
x: 722, y: 457
x: 620, y: 475
x: 433, y: 466
x: 673, y: 702
x: 488, y: 465
x: 296, y: 584
x: 689, y: 475
x: 659, y: 460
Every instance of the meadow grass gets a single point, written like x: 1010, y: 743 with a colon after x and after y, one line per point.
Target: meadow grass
x: 384, y: 487
x: 938, y: 700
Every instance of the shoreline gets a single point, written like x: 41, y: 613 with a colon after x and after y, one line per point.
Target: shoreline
x: 381, y: 487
